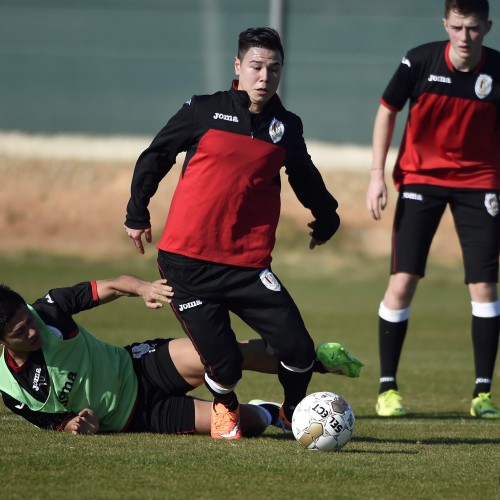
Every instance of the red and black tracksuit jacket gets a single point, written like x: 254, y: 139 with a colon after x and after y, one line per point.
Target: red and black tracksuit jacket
x: 227, y: 202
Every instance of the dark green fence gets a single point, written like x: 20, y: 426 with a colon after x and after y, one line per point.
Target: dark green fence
x: 125, y: 66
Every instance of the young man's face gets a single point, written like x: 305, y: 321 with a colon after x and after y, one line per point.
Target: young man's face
x: 22, y: 333
x: 466, y: 36
x: 259, y: 75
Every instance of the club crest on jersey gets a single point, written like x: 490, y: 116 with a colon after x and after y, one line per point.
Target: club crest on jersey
x: 491, y: 203
x: 276, y: 130
x: 484, y: 84
x: 269, y: 280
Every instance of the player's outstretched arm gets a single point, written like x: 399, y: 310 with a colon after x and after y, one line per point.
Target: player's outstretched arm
x: 153, y: 293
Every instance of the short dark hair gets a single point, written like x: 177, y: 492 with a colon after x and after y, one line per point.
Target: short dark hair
x: 468, y: 7
x: 10, y: 302
x: 264, y: 38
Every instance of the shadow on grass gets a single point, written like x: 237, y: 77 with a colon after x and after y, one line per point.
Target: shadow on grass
x: 429, y: 441
x: 348, y: 449
x: 288, y: 436
x: 426, y: 416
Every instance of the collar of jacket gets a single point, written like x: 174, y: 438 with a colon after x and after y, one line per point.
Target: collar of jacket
x: 242, y: 98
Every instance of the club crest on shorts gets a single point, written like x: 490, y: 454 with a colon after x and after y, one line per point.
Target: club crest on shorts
x: 484, y: 84
x: 491, y: 203
x: 276, y: 130
x: 269, y: 280
x: 139, y: 350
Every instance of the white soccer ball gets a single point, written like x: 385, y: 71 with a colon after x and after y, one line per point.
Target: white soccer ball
x: 323, y: 421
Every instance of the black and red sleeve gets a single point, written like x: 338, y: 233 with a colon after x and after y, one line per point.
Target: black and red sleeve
x: 59, y: 305
x: 155, y: 162
x: 42, y: 420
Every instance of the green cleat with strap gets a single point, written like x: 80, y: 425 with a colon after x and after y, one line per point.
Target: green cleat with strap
x: 336, y: 359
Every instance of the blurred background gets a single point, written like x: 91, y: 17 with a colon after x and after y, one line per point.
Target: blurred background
x: 85, y: 86
x: 125, y: 66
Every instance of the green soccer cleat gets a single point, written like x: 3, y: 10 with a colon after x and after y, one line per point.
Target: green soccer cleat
x: 335, y: 359
x: 483, y: 407
x: 389, y: 404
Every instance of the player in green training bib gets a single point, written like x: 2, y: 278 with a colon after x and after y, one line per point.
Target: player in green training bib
x: 57, y: 375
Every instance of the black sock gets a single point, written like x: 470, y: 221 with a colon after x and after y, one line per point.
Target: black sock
x: 295, y: 387
x: 318, y: 367
x: 485, y: 345
x: 229, y: 400
x: 391, y: 339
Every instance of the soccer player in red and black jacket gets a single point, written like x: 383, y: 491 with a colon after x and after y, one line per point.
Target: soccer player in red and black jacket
x: 216, y: 246
x: 449, y: 155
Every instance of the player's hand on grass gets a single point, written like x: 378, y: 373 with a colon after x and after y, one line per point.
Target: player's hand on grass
x: 86, y: 422
x: 376, y: 196
x: 156, y: 292
x: 136, y: 236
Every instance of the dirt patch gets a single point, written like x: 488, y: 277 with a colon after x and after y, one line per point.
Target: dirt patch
x: 67, y: 196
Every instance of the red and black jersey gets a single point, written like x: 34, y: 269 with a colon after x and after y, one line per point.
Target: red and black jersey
x: 452, y: 135
x: 227, y: 202
x: 56, y: 309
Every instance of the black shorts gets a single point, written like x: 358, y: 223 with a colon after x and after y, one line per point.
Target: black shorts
x: 205, y: 294
x: 475, y: 213
x: 162, y: 405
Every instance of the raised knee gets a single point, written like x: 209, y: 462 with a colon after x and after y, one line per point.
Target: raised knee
x: 298, y: 355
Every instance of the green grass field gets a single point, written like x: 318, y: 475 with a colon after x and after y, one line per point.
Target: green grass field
x: 439, y: 451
